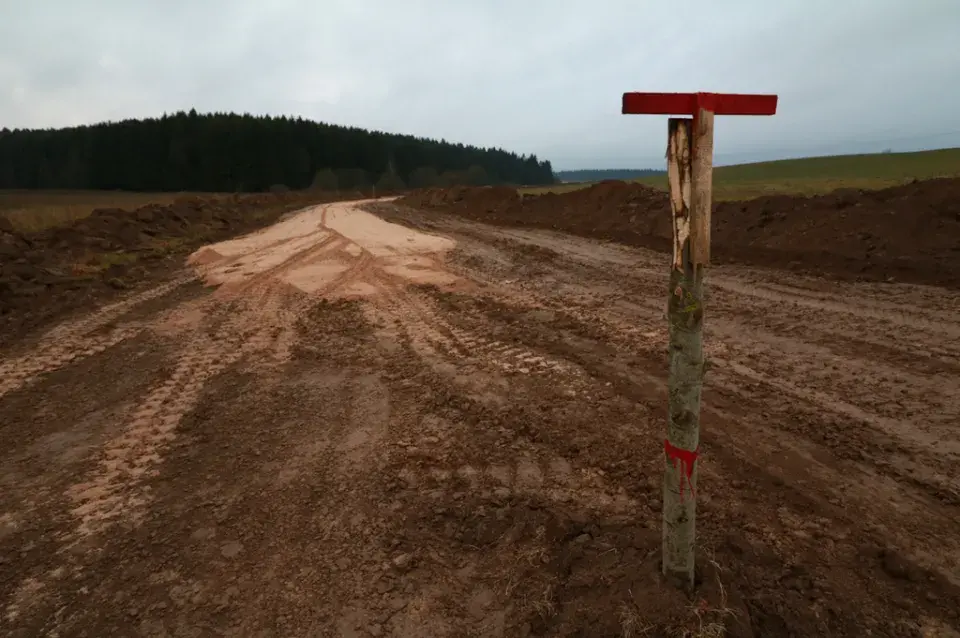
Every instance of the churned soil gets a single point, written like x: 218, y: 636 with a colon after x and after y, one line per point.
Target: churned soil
x: 46, y: 274
x: 906, y: 233
x: 382, y: 421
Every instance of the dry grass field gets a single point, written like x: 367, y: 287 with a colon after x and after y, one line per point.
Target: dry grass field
x: 31, y: 211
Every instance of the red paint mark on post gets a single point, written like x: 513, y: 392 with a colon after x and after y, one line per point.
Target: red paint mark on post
x: 683, y: 461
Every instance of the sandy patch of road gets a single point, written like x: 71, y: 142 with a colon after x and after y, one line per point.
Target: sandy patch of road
x: 336, y: 250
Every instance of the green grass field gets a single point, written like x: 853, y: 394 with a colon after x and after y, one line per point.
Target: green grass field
x: 815, y: 175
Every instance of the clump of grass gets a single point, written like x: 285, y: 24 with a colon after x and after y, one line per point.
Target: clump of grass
x: 107, y: 260
x: 704, y: 620
x: 31, y: 220
x: 710, y: 621
x: 97, y: 263
x: 167, y: 246
x: 632, y: 624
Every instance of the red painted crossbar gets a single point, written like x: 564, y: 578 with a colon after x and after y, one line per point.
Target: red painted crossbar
x: 690, y: 103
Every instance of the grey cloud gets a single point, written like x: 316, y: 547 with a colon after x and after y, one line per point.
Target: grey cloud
x: 533, y: 76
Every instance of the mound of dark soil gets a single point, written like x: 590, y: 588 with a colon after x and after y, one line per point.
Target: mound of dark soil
x: 909, y: 233
x: 45, y: 274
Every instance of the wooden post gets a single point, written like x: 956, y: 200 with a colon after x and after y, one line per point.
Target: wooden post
x: 690, y: 176
x: 702, y: 152
x: 685, y: 317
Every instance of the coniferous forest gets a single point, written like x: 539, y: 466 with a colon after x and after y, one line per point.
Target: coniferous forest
x: 226, y: 152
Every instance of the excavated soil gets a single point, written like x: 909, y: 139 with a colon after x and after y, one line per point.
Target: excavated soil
x: 386, y: 422
x: 906, y: 233
x: 47, y: 274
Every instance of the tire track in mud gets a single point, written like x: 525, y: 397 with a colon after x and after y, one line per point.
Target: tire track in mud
x: 925, y: 457
x: 921, y: 464
x: 729, y: 349
x: 71, y: 342
x: 891, y: 346
x: 116, y: 494
x: 883, y: 324
x: 113, y: 495
x: 254, y: 319
x: 434, y: 337
x: 554, y: 480
x: 368, y: 418
x: 261, y: 324
x: 327, y: 244
x: 22, y: 371
x: 853, y: 303
x: 110, y: 312
x: 68, y: 343
x: 917, y: 332
x: 906, y: 469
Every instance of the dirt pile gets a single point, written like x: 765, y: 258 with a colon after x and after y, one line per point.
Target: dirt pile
x: 45, y: 274
x: 613, y: 210
x: 486, y: 200
x: 909, y: 232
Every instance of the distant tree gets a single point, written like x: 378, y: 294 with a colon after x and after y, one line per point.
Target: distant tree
x: 45, y: 174
x: 301, y: 166
x: 390, y: 182
x: 353, y: 179
x: 324, y: 180
x: 73, y: 173
x: 453, y: 178
x: 476, y: 176
x: 424, y: 177
x: 229, y: 152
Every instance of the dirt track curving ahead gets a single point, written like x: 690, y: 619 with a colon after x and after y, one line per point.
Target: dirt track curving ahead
x: 410, y: 424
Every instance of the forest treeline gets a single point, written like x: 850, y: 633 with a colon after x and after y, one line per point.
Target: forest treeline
x: 226, y: 152
x: 600, y: 174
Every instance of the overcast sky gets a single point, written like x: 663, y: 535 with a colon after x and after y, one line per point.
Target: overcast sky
x: 541, y: 76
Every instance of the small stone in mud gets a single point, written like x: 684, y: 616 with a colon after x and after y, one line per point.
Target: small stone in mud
x: 898, y: 567
x: 203, y: 534
x: 481, y: 601
x: 231, y: 549
x: 402, y: 561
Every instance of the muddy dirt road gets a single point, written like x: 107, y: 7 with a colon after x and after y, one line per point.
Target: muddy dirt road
x: 434, y: 427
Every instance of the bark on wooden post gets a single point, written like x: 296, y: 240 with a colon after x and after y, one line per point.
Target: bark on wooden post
x: 685, y: 317
x: 690, y: 174
x: 702, y: 170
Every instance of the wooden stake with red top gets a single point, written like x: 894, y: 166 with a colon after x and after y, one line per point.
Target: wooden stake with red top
x: 690, y: 175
